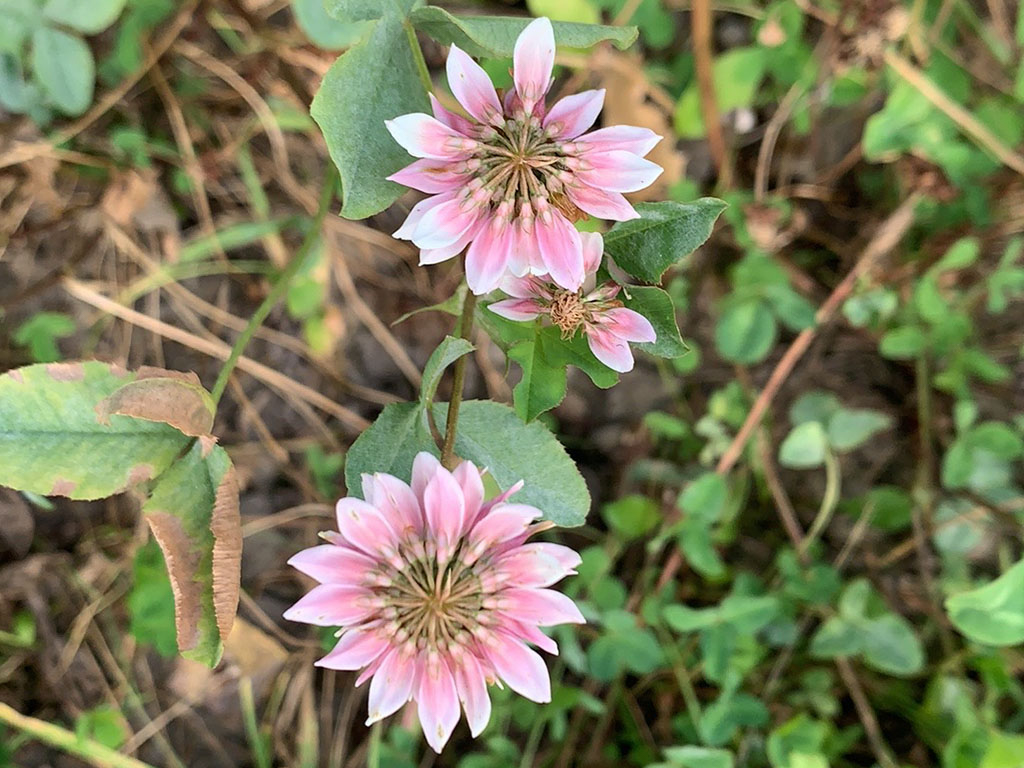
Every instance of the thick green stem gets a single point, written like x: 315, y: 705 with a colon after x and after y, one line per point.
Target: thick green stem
x: 54, y: 735
x: 828, y: 502
x: 278, y: 291
x: 465, y: 329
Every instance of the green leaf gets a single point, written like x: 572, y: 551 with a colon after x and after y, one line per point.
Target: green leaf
x: 836, y: 637
x: 698, y: 547
x: 375, y: 80
x: 193, y: 513
x: 698, y: 757
x: 151, y: 601
x: 580, y: 11
x: 852, y: 427
x: 800, y: 735
x: 40, y: 333
x: 65, y: 69
x: 364, y: 10
x: 542, y: 386
x: 992, y: 614
x: 656, y: 305
x: 324, y: 30
x: 737, y: 74
x: 52, y: 441
x: 748, y: 613
x: 664, y: 234
x: 814, y: 406
x: 903, y: 343
x: 389, y: 445
x: 632, y: 516
x: 891, y: 646
x: 88, y: 17
x: 623, y: 646
x: 21, y: 18
x: 705, y: 497
x: 494, y: 37
x: 575, y: 351
x: 804, y: 447
x: 745, y: 333
x: 104, y: 724
x: 492, y: 435
x: 447, y: 352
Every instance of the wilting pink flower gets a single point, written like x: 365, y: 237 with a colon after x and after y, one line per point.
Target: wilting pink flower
x: 509, y: 180
x: 608, y: 326
x: 438, y: 594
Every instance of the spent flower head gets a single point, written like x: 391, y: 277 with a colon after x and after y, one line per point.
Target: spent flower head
x: 437, y: 594
x: 509, y: 180
x: 607, y: 324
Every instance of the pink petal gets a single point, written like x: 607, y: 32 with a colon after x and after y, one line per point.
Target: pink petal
x: 395, y: 499
x: 437, y: 702
x: 628, y: 325
x: 364, y: 527
x: 561, y: 248
x: 501, y: 498
x: 331, y: 564
x: 445, y: 511
x: 532, y: 62
x: 618, y: 171
x: 392, y: 685
x: 593, y: 250
x: 417, y: 213
x: 424, y: 467
x: 500, y: 524
x: 444, y: 224
x: 472, y: 688
x: 355, y: 649
x: 520, y: 310
x: 572, y: 115
x: 473, y: 88
x: 627, y: 138
x: 544, y: 607
x: 520, y: 667
x: 536, y: 565
x: 452, y: 120
x: 430, y: 176
x: 611, y: 206
x: 425, y: 136
x: 488, y: 256
x: 468, y: 477
x: 530, y: 634
x: 609, y: 349
x: 331, y: 605
x: 437, y: 255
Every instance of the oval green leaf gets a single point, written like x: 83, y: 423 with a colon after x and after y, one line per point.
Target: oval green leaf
x: 64, y: 67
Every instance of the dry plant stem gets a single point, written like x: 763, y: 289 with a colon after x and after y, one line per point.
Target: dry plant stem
x: 217, y: 349
x: 968, y: 122
x: 889, y: 233
x: 866, y: 713
x: 277, y: 292
x: 88, y: 750
x: 465, y: 330
x: 700, y: 16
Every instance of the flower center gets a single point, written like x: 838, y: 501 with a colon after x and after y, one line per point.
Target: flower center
x: 567, y: 312
x: 520, y: 162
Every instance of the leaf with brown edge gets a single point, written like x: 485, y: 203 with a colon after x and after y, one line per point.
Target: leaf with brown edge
x: 178, y: 400
x: 193, y: 511
x: 52, y: 444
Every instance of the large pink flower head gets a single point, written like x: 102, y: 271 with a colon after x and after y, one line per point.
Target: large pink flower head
x: 608, y: 326
x: 509, y: 180
x: 437, y: 594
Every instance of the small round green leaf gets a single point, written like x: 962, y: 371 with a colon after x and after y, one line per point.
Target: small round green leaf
x: 746, y: 331
x: 64, y: 67
x: 804, y: 447
x: 87, y: 16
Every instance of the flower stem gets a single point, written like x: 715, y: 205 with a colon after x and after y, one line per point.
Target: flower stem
x: 464, y: 330
x: 278, y: 291
x: 54, y: 735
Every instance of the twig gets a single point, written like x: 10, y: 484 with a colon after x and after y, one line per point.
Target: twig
x: 968, y: 122
x: 465, y: 331
x: 88, y: 750
x: 866, y: 714
x: 700, y: 17
x: 219, y: 350
x: 278, y: 291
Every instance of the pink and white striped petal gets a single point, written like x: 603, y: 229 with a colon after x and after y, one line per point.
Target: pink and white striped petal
x: 521, y: 668
x: 600, y: 203
x: 533, y: 61
x: 452, y: 120
x: 437, y: 255
x: 392, y: 684
x: 331, y: 564
x: 617, y: 171
x: 405, y: 232
x: 472, y: 87
x: 593, y: 250
x: 437, y: 702
x: 627, y: 138
x: 610, y: 349
x: 536, y: 565
x: 572, y: 115
x: 560, y: 248
x: 425, y: 136
x: 430, y: 176
x: 444, y: 224
x: 488, y: 256
x: 468, y: 477
x: 445, y: 511
x: 397, y: 501
x: 520, y: 310
x: 472, y: 688
x: 365, y: 527
x: 332, y: 605
x: 544, y: 607
x: 356, y: 648
x: 629, y: 325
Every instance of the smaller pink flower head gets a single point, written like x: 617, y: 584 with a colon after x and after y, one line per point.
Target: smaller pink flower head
x: 608, y: 326
x: 438, y: 595
x: 507, y: 181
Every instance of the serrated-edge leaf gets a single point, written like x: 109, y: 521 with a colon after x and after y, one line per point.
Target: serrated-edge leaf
x: 495, y: 36
x: 656, y: 305
x: 542, y: 386
x: 448, y: 351
x: 492, y: 435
